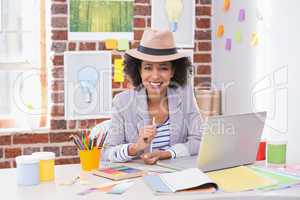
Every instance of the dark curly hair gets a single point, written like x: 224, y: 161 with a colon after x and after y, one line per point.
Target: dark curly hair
x: 181, y: 67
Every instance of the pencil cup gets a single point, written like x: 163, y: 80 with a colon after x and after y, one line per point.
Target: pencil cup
x: 46, y: 165
x: 276, y: 153
x: 89, y: 159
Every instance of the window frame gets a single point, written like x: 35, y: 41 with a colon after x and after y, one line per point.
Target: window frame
x: 7, y: 122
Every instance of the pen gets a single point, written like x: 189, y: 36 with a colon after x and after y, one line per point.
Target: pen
x: 153, y: 124
x: 102, y: 140
x: 79, y: 142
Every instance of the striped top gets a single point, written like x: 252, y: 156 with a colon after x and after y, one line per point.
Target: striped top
x: 160, y: 142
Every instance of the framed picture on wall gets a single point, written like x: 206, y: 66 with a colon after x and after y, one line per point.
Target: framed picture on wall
x: 87, y: 84
x: 100, y: 20
x: 177, y: 16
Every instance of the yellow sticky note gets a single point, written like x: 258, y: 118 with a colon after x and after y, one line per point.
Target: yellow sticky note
x: 238, y: 36
x: 111, y: 44
x: 220, y: 31
x: 226, y: 5
x: 239, y: 179
x: 123, y: 44
x: 254, y: 39
x: 118, y: 70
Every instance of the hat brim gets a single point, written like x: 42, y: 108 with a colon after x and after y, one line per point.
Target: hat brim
x: 154, y: 58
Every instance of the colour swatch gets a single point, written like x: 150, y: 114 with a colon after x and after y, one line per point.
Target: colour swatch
x: 119, y: 172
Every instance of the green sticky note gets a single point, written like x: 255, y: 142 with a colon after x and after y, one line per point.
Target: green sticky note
x: 123, y: 44
x: 238, y: 36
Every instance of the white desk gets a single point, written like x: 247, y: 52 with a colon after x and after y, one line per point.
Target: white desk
x: 52, y: 191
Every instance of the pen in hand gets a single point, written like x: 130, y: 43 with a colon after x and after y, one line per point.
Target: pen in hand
x: 153, y: 124
x: 146, y: 139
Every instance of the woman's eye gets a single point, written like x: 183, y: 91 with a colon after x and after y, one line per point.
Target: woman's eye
x: 164, y: 67
x: 147, y: 67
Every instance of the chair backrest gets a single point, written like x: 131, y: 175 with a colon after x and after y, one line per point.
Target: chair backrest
x: 99, y: 129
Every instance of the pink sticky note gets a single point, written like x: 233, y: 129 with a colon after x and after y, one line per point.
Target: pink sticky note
x: 242, y: 15
x: 228, y: 44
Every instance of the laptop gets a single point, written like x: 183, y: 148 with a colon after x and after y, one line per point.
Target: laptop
x: 227, y: 141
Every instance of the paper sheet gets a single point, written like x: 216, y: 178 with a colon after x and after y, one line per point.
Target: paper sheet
x: 254, y: 39
x: 110, y: 44
x: 220, y: 31
x: 228, y: 44
x: 156, y: 184
x: 238, y: 36
x: 242, y: 15
x: 123, y: 44
x: 281, y: 179
x: 118, y: 70
x: 239, y: 179
x: 192, y: 177
x: 226, y: 5
x: 121, y: 188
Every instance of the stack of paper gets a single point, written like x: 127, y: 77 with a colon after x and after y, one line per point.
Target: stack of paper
x: 239, y: 179
x: 282, y: 180
x: 180, y: 180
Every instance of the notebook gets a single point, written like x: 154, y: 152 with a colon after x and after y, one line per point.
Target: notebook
x: 179, y: 181
x: 119, y: 172
x: 239, y: 179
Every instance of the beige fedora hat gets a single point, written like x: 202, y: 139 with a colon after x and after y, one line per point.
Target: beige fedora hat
x: 156, y: 46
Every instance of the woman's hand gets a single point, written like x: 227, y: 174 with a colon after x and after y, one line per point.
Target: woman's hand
x: 146, y: 135
x: 152, y: 157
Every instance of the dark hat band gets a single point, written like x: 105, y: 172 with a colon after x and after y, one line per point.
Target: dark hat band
x: 157, y: 52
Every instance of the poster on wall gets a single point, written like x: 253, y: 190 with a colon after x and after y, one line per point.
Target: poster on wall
x: 100, y: 20
x: 88, y: 84
x: 177, y: 16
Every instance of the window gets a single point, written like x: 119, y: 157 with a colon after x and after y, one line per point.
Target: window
x: 21, y: 63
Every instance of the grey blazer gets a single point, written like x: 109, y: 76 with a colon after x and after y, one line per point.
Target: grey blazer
x: 130, y: 113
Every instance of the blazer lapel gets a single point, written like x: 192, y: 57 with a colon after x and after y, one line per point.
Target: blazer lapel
x: 142, y: 108
x: 175, y: 113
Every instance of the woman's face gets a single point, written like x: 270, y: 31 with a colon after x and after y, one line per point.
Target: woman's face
x: 156, y: 76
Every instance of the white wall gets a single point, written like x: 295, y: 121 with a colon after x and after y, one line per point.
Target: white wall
x: 265, y: 77
x: 283, y: 47
x: 233, y: 71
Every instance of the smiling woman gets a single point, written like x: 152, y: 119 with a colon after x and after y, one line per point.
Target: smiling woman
x: 159, y: 118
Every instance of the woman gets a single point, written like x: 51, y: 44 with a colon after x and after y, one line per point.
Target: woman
x: 158, y: 119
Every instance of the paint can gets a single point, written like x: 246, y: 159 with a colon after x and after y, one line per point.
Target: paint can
x: 276, y: 153
x: 46, y: 162
x: 28, y: 170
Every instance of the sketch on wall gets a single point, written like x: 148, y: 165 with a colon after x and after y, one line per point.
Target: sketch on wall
x: 176, y: 15
x: 101, y: 19
x: 88, y: 84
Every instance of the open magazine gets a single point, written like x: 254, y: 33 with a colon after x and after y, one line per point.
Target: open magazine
x: 184, y: 180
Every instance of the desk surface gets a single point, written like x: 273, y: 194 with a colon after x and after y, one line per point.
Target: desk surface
x: 54, y: 191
